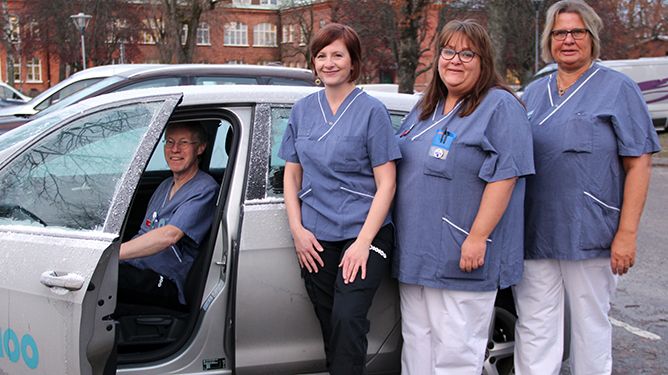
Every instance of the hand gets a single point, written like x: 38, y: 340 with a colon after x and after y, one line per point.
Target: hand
x: 354, y: 259
x: 623, y: 253
x: 473, y: 253
x: 307, y: 248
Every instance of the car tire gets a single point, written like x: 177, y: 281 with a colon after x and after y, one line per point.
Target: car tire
x: 501, y: 344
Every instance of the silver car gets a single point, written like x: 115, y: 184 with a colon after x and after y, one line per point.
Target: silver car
x: 75, y: 184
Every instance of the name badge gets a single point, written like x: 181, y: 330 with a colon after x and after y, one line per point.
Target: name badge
x: 440, y: 144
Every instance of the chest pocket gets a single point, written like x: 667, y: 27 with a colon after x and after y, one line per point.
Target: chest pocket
x: 350, y: 154
x: 443, y: 168
x: 578, y: 135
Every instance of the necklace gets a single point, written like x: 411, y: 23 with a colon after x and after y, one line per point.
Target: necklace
x: 562, y: 90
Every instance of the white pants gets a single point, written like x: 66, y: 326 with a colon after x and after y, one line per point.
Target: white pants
x: 540, y: 299
x: 444, y: 331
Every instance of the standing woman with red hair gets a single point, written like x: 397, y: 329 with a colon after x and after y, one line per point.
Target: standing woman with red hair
x: 339, y: 183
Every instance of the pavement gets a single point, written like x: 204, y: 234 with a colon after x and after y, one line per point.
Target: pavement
x: 658, y: 161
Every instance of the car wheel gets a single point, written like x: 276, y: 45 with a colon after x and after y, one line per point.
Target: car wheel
x: 501, y: 344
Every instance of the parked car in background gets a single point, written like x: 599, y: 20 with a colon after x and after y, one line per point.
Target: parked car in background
x: 76, y: 183
x: 148, y: 76
x: 651, y: 75
x: 10, y: 96
x: 65, y: 88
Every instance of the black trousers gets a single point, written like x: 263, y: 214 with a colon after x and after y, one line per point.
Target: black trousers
x: 342, y: 308
x: 146, y: 287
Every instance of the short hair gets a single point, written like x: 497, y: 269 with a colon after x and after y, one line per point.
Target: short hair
x: 194, y: 127
x: 589, y: 17
x: 333, y: 32
x: 481, y: 44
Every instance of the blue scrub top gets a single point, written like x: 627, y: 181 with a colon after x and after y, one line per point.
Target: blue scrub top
x: 574, y: 200
x: 191, y: 210
x: 337, y: 153
x: 438, y: 198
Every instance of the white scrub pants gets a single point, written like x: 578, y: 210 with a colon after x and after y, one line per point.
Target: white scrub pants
x: 444, y: 331
x: 589, y: 286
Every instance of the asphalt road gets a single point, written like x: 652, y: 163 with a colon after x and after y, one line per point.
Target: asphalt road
x: 640, y: 310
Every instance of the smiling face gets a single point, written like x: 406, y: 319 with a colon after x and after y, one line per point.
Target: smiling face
x: 333, y: 64
x: 182, y: 149
x: 571, y: 54
x: 459, y: 77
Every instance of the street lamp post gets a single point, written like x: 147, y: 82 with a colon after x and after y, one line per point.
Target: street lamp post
x: 81, y: 21
x: 536, y: 6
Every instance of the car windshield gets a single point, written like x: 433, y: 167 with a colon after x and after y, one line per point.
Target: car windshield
x: 74, y: 98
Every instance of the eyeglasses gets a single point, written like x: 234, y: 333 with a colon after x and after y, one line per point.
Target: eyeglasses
x: 169, y: 143
x: 577, y: 34
x: 464, y: 55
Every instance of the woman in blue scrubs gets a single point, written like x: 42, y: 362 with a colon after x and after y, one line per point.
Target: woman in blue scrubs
x: 459, y: 205
x: 593, y: 137
x: 339, y: 183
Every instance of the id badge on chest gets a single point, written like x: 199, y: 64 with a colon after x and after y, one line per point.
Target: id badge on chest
x: 440, y: 144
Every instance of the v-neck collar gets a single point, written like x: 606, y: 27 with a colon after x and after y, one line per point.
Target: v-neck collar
x: 331, y: 120
x: 327, y: 110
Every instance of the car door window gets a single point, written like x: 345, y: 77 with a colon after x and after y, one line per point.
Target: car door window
x: 158, y: 82
x: 67, y: 91
x: 279, y: 121
x: 68, y: 178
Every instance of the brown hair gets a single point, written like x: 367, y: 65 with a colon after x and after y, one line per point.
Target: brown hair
x: 333, y: 32
x: 591, y: 20
x: 481, y: 44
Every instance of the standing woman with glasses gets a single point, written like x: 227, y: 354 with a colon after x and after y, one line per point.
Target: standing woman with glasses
x: 593, y: 137
x: 339, y: 183
x: 459, y: 205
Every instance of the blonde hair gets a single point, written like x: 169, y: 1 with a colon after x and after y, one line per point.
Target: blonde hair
x: 589, y: 17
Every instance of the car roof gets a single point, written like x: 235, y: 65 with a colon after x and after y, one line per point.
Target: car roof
x: 110, y: 70
x: 219, y: 69
x: 223, y: 94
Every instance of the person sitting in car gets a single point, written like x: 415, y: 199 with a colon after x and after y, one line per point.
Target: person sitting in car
x: 155, y: 263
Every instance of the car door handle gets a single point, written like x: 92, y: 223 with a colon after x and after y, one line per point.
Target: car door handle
x: 65, y: 280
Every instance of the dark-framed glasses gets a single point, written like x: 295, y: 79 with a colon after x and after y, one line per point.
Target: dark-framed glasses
x: 577, y: 34
x: 464, y: 55
x: 169, y: 143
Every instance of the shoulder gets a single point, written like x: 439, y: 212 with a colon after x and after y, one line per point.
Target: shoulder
x: 613, y: 78
x: 306, y: 102
x: 371, y: 101
x: 498, y: 97
x: 538, y: 84
x: 205, y: 182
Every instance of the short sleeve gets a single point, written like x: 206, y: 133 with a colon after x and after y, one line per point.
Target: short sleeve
x: 508, y: 143
x: 632, y: 122
x: 288, y: 151
x: 195, y: 215
x: 382, y: 145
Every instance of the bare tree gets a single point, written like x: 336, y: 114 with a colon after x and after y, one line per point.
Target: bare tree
x: 299, y: 13
x: 167, y: 20
x: 7, y: 42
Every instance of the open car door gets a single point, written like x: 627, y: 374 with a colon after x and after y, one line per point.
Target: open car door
x: 63, y: 200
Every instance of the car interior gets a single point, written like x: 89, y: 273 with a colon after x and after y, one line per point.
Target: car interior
x: 143, y: 332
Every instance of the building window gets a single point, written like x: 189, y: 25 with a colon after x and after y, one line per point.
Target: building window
x: 234, y: 62
x: 34, y: 70
x: 288, y: 34
x: 268, y: 2
x: 14, y: 29
x: 264, y: 35
x: 236, y: 34
x: 17, y: 70
x: 302, y: 38
x: 149, y: 32
x: 184, y: 34
x: 322, y: 23
x: 203, y: 34
x: 241, y: 2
